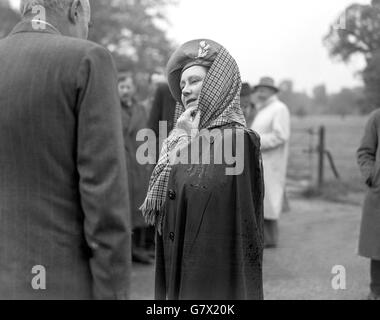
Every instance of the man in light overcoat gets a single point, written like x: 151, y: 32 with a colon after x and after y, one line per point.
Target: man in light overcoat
x: 272, y: 123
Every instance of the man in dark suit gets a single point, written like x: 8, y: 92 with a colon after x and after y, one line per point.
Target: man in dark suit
x: 64, y: 217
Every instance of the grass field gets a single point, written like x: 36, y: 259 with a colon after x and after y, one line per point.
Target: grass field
x: 343, y: 136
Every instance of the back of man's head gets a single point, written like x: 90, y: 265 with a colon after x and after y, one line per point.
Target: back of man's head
x: 57, y: 6
x: 70, y: 17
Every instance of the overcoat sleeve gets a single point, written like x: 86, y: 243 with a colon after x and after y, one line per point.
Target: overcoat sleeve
x: 250, y: 215
x: 102, y: 175
x: 366, y: 154
x: 280, y: 132
x: 156, y: 116
x: 156, y: 112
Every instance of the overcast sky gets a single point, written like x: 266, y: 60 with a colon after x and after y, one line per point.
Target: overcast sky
x: 278, y: 38
x: 282, y: 39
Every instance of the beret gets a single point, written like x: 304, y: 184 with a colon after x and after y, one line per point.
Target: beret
x: 201, y: 52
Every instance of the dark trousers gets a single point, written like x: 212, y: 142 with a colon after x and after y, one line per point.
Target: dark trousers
x: 270, y: 233
x: 375, y: 277
x: 143, y: 237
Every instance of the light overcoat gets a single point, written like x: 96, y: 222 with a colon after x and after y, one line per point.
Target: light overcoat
x: 272, y: 123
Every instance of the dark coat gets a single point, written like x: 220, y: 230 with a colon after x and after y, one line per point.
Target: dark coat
x: 212, y: 241
x: 134, y: 119
x: 63, y: 180
x: 163, y: 109
x: 368, y: 156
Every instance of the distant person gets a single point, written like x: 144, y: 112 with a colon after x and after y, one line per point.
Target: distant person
x: 272, y: 123
x: 246, y: 103
x: 64, y: 229
x: 134, y: 118
x: 254, y: 102
x: 368, y: 158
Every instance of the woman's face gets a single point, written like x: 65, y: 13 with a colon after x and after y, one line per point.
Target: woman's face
x: 191, y: 85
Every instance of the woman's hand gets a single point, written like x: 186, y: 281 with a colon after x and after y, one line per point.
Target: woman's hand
x: 189, y: 121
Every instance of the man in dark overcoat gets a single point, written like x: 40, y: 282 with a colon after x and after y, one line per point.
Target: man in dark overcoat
x: 64, y: 229
x: 134, y: 119
x: 368, y: 157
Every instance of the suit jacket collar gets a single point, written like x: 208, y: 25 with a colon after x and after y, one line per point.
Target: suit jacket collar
x: 28, y: 26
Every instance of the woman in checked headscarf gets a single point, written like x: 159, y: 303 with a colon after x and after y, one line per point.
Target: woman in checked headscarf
x: 209, y: 221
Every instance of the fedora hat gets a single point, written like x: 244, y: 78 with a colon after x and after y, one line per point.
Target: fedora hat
x: 266, y: 82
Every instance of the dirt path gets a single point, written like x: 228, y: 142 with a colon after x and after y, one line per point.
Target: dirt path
x: 314, y: 236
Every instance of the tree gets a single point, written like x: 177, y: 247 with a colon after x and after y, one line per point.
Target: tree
x: 286, y: 86
x: 8, y: 18
x: 320, y: 98
x: 129, y: 28
x: 357, y: 32
x: 371, y: 78
x: 298, y: 103
x: 347, y: 101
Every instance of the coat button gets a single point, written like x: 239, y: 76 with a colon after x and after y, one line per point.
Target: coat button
x: 172, y: 194
x: 171, y: 236
x: 94, y: 245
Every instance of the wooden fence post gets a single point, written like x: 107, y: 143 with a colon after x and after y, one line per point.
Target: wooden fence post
x: 321, y: 156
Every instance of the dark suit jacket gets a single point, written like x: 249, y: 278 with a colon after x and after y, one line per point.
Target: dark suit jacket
x: 63, y: 180
x: 163, y: 109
